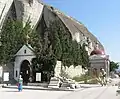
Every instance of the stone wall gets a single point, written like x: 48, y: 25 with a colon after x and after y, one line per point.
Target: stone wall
x: 68, y: 71
x: 74, y: 71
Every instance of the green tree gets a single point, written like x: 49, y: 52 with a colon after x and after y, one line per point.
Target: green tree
x: 113, y: 66
x: 45, y: 60
x: 64, y: 48
x: 61, y: 42
x: 85, y: 57
x: 13, y: 37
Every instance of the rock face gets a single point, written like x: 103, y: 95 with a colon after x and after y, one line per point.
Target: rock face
x: 5, y: 5
x: 28, y: 9
x: 40, y: 14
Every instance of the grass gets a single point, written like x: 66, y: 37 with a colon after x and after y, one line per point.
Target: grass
x: 86, y: 79
x: 81, y: 78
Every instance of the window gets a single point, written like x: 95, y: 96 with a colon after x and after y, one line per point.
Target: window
x: 16, y: 73
x: 24, y: 51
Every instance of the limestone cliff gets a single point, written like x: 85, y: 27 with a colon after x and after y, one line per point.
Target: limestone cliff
x: 40, y: 14
x: 4, y: 8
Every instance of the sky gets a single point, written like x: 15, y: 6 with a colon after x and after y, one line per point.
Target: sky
x: 101, y: 17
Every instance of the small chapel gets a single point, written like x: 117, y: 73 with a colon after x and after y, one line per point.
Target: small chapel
x: 23, y: 59
x: 98, y: 59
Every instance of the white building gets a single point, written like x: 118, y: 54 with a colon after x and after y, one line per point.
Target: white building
x: 22, y: 62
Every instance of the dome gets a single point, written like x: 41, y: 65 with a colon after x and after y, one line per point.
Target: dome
x: 97, y: 52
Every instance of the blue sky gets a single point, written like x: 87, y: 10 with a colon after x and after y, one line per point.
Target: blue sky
x: 101, y: 17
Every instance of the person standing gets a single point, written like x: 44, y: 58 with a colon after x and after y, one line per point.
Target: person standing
x: 20, y: 83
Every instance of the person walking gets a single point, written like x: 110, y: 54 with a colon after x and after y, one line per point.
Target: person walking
x: 102, y: 77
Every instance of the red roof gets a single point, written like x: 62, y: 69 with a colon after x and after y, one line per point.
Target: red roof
x: 97, y: 52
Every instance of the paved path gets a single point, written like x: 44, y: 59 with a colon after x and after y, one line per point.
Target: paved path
x: 94, y: 93
x: 50, y: 89
x: 31, y: 94
x: 87, y: 93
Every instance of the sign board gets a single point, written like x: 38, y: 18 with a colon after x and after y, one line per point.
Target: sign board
x: 38, y: 76
x: 6, y: 76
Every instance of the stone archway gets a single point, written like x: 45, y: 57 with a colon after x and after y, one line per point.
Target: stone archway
x: 25, y: 71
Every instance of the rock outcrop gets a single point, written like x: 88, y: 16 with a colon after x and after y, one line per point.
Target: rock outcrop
x: 40, y: 14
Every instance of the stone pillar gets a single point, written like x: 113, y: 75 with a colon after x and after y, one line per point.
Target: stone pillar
x: 108, y: 68
x: 58, y: 69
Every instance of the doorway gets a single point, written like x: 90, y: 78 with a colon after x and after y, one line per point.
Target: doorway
x: 25, y: 71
